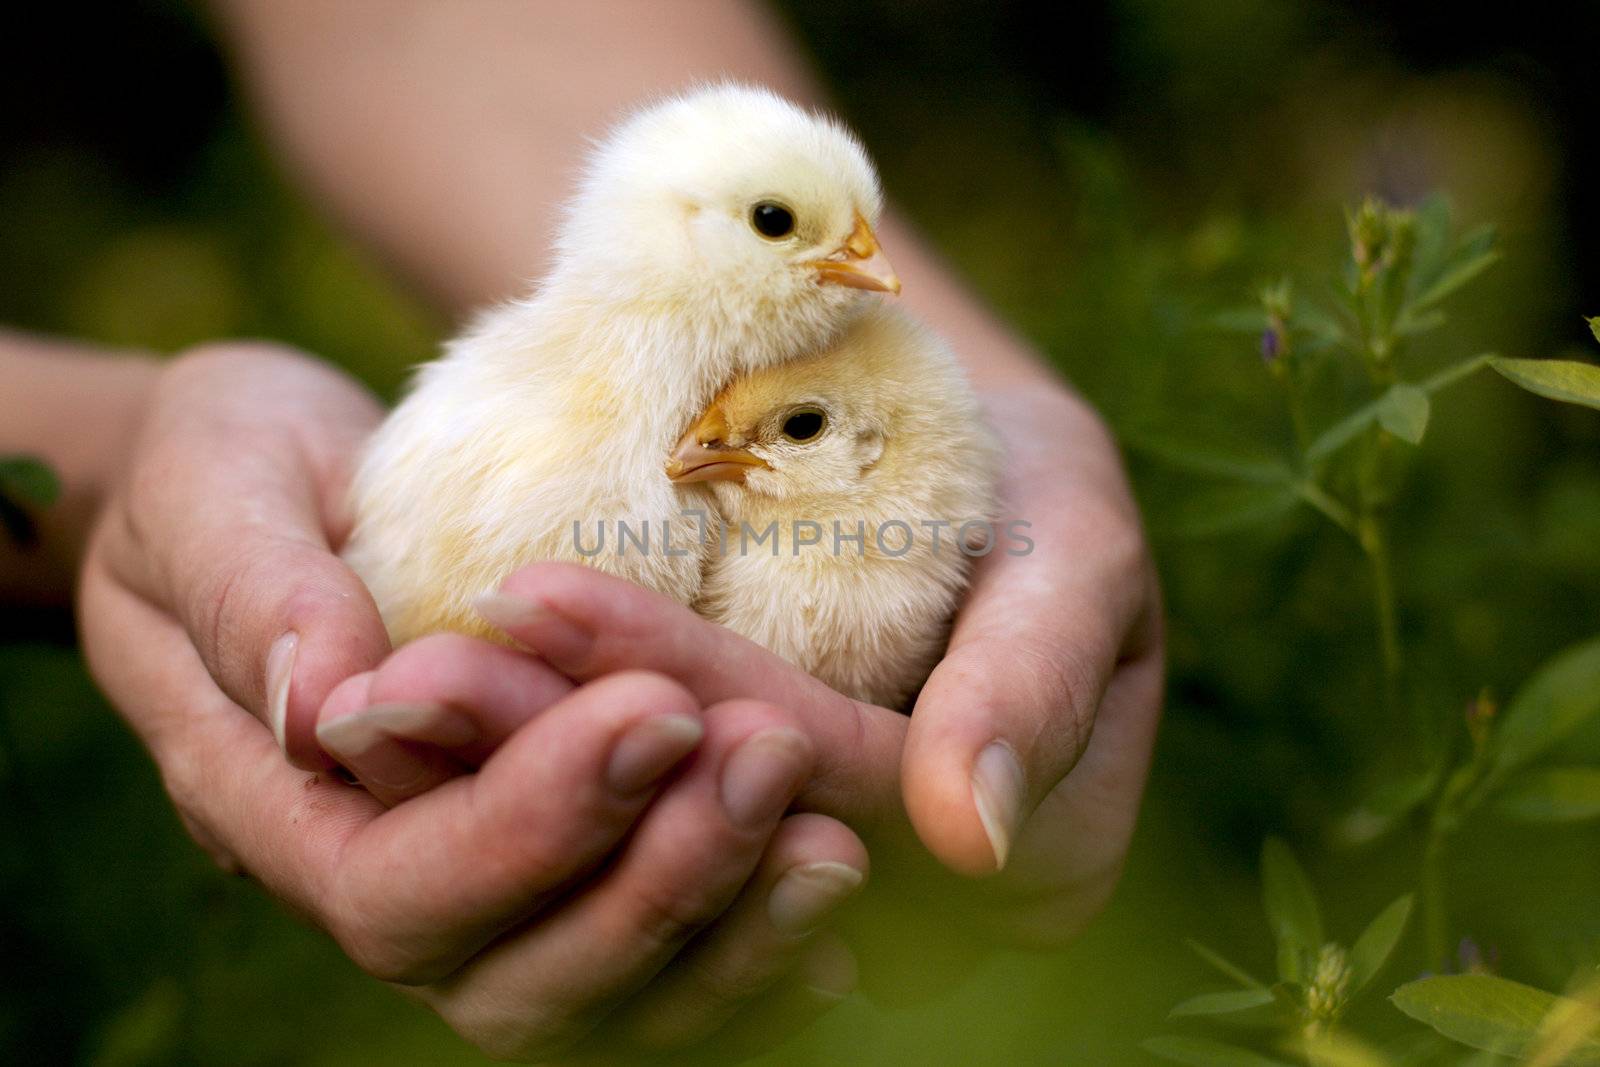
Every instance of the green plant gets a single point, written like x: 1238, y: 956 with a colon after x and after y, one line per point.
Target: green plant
x: 1402, y: 268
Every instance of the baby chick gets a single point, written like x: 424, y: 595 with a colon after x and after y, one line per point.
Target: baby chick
x: 714, y: 233
x: 865, y: 461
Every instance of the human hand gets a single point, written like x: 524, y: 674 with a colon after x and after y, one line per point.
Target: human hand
x: 1028, y: 748
x: 571, y: 879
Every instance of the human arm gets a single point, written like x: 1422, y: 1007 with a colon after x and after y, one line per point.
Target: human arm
x: 447, y: 136
x: 73, y: 407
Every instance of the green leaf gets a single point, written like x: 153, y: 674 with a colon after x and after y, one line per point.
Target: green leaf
x: 1433, y: 241
x: 1557, y: 379
x: 1291, y: 907
x: 1455, y: 372
x: 1474, y: 243
x: 1594, y: 327
x: 1560, y: 697
x: 1489, y: 1013
x: 1403, y: 411
x: 1210, y: 458
x: 28, y: 480
x: 1337, y: 1048
x: 1410, y: 325
x: 1229, y: 508
x: 1552, y: 794
x: 1459, y: 273
x: 1226, y: 1003
x: 1376, y: 943
x: 1203, y: 1052
x: 1396, y: 410
x: 1343, y: 432
x: 1223, y: 964
x: 1310, y: 319
x: 1354, y: 424
x: 1386, y: 806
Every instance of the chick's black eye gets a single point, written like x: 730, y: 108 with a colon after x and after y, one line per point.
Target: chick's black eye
x: 772, y: 220
x: 804, y: 425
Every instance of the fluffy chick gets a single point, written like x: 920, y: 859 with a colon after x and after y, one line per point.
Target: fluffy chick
x: 712, y: 233
x: 878, y: 429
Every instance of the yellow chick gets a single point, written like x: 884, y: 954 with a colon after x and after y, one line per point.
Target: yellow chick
x: 713, y: 233
x: 854, y: 486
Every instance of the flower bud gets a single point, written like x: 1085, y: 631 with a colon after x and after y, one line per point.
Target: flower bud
x: 1329, y: 987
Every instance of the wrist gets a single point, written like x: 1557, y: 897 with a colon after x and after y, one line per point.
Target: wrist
x: 77, y: 409
x: 994, y: 355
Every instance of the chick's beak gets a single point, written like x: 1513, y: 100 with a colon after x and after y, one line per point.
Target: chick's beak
x: 859, y: 263
x: 702, y: 454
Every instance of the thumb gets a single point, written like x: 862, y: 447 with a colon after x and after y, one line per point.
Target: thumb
x: 1008, y: 712
x: 227, y: 523
x: 278, y: 629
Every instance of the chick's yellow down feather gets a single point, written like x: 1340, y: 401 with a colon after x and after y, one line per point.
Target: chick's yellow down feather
x: 843, y: 481
x: 713, y: 233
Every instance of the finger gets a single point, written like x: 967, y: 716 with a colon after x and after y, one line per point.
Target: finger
x: 1095, y: 808
x: 586, y: 624
x: 820, y: 976
x: 824, y: 977
x: 435, y: 708
x: 229, y: 521
x: 425, y: 886
x: 378, y: 744
x: 813, y: 865
x: 1007, y: 713
x: 541, y: 990
x: 251, y: 810
x: 392, y: 889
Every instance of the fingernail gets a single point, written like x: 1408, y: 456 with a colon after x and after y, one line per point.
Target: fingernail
x: 805, y: 894
x: 280, y: 672
x: 997, y: 790
x: 650, y: 749
x: 549, y: 632
x: 830, y: 971
x: 365, y: 742
x: 424, y: 722
x: 762, y: 774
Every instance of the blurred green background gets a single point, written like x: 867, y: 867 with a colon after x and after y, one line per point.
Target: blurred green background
x: 1110, y: 175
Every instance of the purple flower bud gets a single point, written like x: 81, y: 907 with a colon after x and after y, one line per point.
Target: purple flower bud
x: 1271, y: 345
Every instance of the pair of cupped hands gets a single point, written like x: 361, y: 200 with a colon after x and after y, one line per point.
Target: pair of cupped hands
x: 639, y: 835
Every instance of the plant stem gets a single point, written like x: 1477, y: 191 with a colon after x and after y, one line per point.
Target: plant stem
x: 1331, y: 508
x: 1297, y: 408
x: 1376, y: 546
x: 1435, y: 917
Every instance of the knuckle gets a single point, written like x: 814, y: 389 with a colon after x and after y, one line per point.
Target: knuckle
x: 380, y: 954
x: 666, y: 916
x: 741, y: 716
x: 252, y: 583
x: 223, y: 357
x: 1062, y: 680
x: 218, y: 601
x: 225, y: 596
x: 716, y: 994
x: 184, y: 783
x: 640, y: 688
